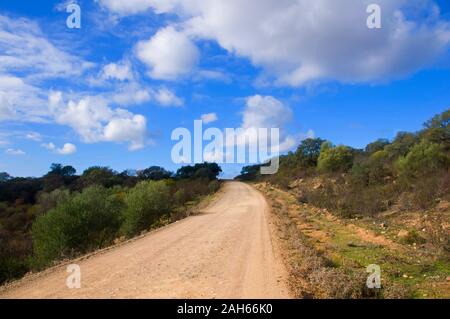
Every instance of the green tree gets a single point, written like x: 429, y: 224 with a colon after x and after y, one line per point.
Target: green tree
x: 372, y: 170
x: 423, y: 160
x: 308, y: 151
x: 437, y: 130
x: 60, y: 170
x: 205, y: 170
x: 334, y: 159
x: 4, y: 177
x: 97, y: 175
x: 376, y: 146
x: 154, y: 173
x: 401, y: 145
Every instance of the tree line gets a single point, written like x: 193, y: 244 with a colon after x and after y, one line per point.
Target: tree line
x: 411, y: 171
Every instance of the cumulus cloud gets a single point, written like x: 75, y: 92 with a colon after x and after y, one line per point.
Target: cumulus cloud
x: 297, y: 42
x: 166, y: 97
x: 265, y: 112
x: 268, y: 112
x: 130, y: 94
x: 14, y: 152
x: 67, y: 149
x: 117, y: 71
x: 209, y: 118
x: 129, y: 128
x: 95, y: 121
x: 169, y: 54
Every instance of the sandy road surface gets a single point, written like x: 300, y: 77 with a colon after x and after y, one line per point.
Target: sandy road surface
x: 224, y: 252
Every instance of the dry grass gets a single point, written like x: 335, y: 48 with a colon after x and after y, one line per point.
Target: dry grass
x: 327, y: 255
x: 311, y: 274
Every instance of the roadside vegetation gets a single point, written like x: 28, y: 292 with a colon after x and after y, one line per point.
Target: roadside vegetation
x: 387, y: 204
x: 62, y: 215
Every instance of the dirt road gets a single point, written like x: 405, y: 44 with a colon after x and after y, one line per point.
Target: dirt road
x: 225, y: 252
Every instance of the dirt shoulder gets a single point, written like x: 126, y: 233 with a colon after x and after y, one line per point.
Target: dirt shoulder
x: 327, y: 256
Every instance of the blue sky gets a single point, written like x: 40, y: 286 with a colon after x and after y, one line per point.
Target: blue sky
x: 112, y: 92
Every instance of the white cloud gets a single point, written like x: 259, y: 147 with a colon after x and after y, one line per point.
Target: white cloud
x: 49, y: 146
x: 127, y: 129
x: 169, y: 54
x: 130, y: 94
x: 117, y: 71
x: 67, y: 149
x: 209, y: 118
x: 25, y: 48
x: 62, y: 6
x: 127, y: 7
x: 27, y: 59
x: 14, y: 152
x: 34, y: 136
x: 268, y: 112
x: 298, y: 42
x: 94, y: 121
x: 20, y: 101
x: 166, y: 97
x: 265, y: 112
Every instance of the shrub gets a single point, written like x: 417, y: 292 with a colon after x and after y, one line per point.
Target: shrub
x: 424, y: 159
x: 47, y: 201
x: 413, y: 237
x: 335, y: 159
x: 11, y: 268
x: 376, y: 146
x: 146, y: 203
x: 180, y: 197
x: 428, y: 189
x: 374, y: 170
x: 87, y: 221
x: 213, y: 186
x: 401, y: 145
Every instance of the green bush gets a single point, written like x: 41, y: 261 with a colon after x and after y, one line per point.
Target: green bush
x: 11, y: 268
x: 47, y: 201
x: 402, y: 144
x: 87, y: 221
x: 213, y: 186
x: 335, y: 159
x: 422, y: 160
x: 372, y: 171
x: 146, y: 203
